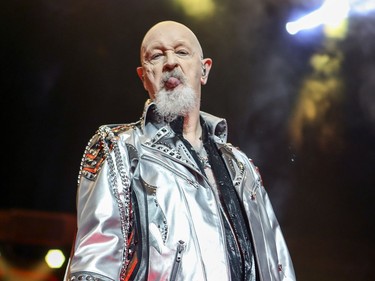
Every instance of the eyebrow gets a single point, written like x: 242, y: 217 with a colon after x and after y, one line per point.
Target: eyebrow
x: 160, y: 45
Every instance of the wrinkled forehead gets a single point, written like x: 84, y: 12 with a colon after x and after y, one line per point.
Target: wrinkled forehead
x: 170, y: 34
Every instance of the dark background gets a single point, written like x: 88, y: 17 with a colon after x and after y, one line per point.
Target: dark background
x: 302, y: 107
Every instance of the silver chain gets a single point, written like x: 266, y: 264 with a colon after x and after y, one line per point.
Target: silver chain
x: 123, y: 204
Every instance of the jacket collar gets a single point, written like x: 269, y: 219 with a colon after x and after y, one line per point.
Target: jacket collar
x: 152, y: 122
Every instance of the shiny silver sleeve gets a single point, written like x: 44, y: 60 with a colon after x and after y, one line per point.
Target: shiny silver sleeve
x: 284, y: 265
x: 98, y: 245
x: 99, y: 248
x: 272, y: 251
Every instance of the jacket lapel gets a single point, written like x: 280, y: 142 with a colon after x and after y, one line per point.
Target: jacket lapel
x: 166, y: 144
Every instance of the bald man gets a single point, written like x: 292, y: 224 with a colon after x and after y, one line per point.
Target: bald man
x: 167, y: 198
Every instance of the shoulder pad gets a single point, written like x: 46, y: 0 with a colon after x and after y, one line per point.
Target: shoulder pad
x: 118, y: 129
x: 93, y: 158
x: 98, y: 147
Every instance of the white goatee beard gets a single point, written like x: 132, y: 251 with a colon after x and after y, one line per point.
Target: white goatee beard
x: 174, y: 103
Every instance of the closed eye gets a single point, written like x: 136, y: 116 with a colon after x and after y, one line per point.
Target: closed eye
x: 156, y: 56
x: 182, y: 52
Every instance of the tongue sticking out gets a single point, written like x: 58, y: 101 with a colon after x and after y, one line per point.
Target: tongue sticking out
x: 172, y: 83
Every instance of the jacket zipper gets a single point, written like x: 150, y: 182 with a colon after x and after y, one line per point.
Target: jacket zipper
x: 177, y: 260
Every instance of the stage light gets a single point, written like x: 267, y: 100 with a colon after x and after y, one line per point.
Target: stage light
x: 362, y: 6
x: 197, y: 8
x: 55, y: 258
x: 331, y: 13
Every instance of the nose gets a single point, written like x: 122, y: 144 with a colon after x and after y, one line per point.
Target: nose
x: 170, y: 61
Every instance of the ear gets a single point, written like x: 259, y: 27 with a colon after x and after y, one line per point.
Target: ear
x: 206, y: 67
x: 140, y: 72
x: 141, y: 76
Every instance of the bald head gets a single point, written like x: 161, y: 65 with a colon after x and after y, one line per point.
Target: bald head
x: 169, y: 30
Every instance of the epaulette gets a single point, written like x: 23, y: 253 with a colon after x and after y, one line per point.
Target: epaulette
x: 95, y: 151
x: 118, y: 129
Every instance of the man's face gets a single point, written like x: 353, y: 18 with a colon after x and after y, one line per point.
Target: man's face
x: 171, y: 60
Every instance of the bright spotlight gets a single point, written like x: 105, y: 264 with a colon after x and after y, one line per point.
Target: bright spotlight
x: 362, y: 6
x: 331, y: 13
x: 55, y: 258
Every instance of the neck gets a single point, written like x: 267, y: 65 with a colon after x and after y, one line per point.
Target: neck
x: 192, y: 130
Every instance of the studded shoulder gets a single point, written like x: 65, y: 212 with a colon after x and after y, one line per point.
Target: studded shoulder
x: 95, y: 155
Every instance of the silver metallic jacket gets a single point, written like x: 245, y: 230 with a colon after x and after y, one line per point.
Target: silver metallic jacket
x: 146, y: 212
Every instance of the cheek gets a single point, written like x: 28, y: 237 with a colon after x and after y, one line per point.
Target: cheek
x: 197, y: 75
x: 151, y: 82
x: 195, y: 72
x: 151, y: 74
